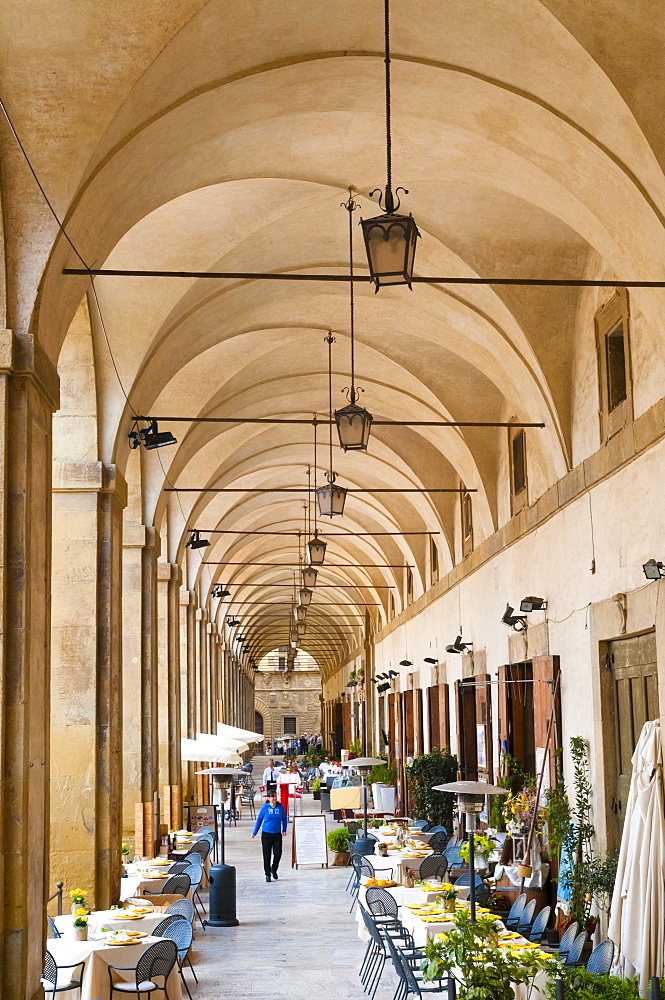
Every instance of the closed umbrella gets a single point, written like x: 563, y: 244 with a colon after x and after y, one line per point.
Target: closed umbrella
x: 637, y: 924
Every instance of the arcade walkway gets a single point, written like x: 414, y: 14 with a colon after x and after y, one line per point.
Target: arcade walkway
x: 296, y: 939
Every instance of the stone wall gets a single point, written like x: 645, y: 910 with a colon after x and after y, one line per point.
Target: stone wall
x: 289, y: 693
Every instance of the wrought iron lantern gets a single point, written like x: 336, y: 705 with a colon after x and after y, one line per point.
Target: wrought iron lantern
x: 309, y: 575
x: 305, y: 596
x: 317, y: 550
x: 301, y: 614
x: 331, y: 498
x: 301, y: 628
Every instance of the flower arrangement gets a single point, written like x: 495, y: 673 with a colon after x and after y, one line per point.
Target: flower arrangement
x: 81, y: 917
x: 516, y: 803
x: 125, y: 850
x: 77, y: 897
x: 450, y: 893
x: 482, y: 845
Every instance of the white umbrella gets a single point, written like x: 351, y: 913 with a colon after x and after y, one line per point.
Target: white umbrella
x: 232, y: 732
x: 195, y: 750
x: 637, y: 924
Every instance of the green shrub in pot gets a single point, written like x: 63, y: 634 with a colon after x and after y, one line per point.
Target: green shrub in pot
x: 337, y: 840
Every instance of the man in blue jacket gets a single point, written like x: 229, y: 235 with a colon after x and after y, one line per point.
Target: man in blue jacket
x: 274, y: 821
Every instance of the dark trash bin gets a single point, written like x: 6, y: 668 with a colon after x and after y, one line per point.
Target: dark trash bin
x: 222, y: 898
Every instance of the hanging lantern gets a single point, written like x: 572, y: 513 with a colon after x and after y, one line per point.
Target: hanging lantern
x: 309, y: 576
x: 301, y: 614
x: 353, y: 426
x: 317, y: 550
x: 331, y: 500
x: 305, y: 596
x: 390, y: 241
x: 301, y: 628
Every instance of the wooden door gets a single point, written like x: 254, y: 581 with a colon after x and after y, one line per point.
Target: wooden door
x: 484, y: 755
x: 409, y: 726
x: 466, y: 730
x: 444, y: 716
x: 546, y: 695
x: 433, y: 716
x: 419, y: 721
x: 346, y: 724
x: 338, y: 730
x: 635, y: 695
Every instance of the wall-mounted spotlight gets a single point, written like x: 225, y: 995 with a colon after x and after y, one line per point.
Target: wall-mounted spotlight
x: 374, y: 680
x: 516, y: 622
x: 240, y: 638
x: 195, y: 540
x: 653, y: 570
x: 150, y: 437
x: 383, y: 687
x: 393, y: 673
x: 533, y: 604
x: 429, y: 659
x: 232, y: 622
x: 458, y: 646
x: 405, y: 663
x: 219, y: 591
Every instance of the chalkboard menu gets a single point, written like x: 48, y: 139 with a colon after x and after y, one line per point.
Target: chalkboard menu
x: 309, y: 845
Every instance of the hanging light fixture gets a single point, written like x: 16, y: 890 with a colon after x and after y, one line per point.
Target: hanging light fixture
x: 330, y: 498
x: 354, y: 422
x: 305, y: 596
x: 390, y: 239
x: 316, y: 549
x: 301, y: 614
x: 309, y: 575
x: 150, y: 437
x: 195, y: 540
x: 301, y: 628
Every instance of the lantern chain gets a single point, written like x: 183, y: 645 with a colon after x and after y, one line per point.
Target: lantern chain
x: 389, y: 142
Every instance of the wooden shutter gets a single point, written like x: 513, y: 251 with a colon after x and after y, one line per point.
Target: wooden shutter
x: 338, y: 729
x: 503, y: 701
x: 444, y: 715
x: 346, y: 724
x: 419, y: 720
x: 433, y: 716
x: 409, y: 724
x: 546, y: 668
x: 484, y: 719
x: 466, y: 730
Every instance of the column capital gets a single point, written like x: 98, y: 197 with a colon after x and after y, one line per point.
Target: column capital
x: 201, y: 615
x: 89, y: 477
x: 186, y: 597
x: 139, y: 536
x: 22, y: 355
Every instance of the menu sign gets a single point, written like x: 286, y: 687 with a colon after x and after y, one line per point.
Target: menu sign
x: 309, y: 841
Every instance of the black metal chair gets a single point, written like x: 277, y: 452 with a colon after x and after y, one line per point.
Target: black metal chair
x: 483, y: 894
x: 409, y: 982
x: 569, y: 936
x: 50, y: 976
x: 600, y: 959
x: 437, y: 843
x: 53, y: 930
x: 181, y: 934
x: 539, y: 925
x: 434, y: 867
x: 176, y: 885
x: 156, y: 962
x: 201, y: 847
x: 195, y: 873
x: 575, y: 952
x: 513, y: 918
x: 375, y: 956
x: 178, y: 867
x: 170, y: 918
x: 383, y: 907
x: 367, y: 869
x: 183, y: 907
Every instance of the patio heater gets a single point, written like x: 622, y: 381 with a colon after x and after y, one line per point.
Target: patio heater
x: 222, y: 898
x: 365, y: 765
x: 471, y: 799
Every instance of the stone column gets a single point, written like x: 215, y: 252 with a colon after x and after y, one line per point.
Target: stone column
x: 188, y: 683
x: 141, y: 545
x: 202, y: 647
x: 168, y: 584
x: 86, y: 678
x: 28, y: 396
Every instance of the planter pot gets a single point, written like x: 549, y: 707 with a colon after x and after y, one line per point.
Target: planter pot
x: 81, y: 933
x: 341, y: 859
x: 524, y: 871
x: 449, y: 905
x: 78, y: 906
x: 317, y: 795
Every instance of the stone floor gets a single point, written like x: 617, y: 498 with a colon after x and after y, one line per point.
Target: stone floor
x: 296, y: 939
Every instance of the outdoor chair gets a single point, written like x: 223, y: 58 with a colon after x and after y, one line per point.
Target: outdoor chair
x: 248, y: 797
x: 383, y: 907
x: 465, y: 879
x: 410, y: 982
x: 352, y: 876
x: 420, y: 823
x: 201, y: 847
x: 575, y: 952
x: 569, y: 936
x: 203, y: 831
x: 156, y: 962
x: 170, y: 918
x: 539, y: 925
x: 354, y: 881
x: 452, y: 854
x: 175, y: 885
x: 600, y: 958
x: 375, y: 956
x: 195, y: 874
x: 178, y: 867
x: 438, y: 829
x: 483, y: 894
x: 437, y: 843
x: 184, y: 907
x: 181, y: 934
x: 50, y: 976
x: 513, y: 918
x: 367, y: 870
x: 434, y: 867
x: 526, y: 918
x: 53, y: 930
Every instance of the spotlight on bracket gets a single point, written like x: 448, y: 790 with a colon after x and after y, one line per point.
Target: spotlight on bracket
x: 393, y: 673
x: 240, y: 638
x: 219, y: 591
x: 232, y: 622
x: 195, y: 540
x: 383, y: 687
x: 150, y: 437
x: 458, y: 646
x: 516, y: 622
x: 533, y: 604
x: 405, y: 663
x: 653, y: 570
x: 429, y: 659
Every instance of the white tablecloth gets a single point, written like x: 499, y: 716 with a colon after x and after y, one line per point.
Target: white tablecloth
x: 112, y: 920
x: 98, y: 956
x: 536, y: 881
x: 401, y: 896
x: 398, y: 862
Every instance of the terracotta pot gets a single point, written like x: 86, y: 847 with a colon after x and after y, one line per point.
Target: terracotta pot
x: 341, y: 859
x: 81, y: 933
x: 449, y: 905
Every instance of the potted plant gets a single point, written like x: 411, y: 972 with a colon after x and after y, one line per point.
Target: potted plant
x: 434, y: 768
x: 449, y: 897
x: 482, y: 848
x: 80, y: 924
x: 77, y: 897
x: 578, y: 984
x: 469, y: 954
x: 337, y: 842
x: 316, y: 790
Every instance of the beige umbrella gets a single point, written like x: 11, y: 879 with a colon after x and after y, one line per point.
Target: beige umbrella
x: 637, y: 924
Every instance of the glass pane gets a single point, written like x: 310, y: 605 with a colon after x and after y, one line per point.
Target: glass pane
x: 467, y: 515
x: 519, y: 467
x: 616, y: 367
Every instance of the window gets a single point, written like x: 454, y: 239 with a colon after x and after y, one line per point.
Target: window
x: 467, y: 521
x: 289, y: 728
x: 434, y: 560
x: 615, y: 390
x: 518, y: 479
x: 392, y: 605
x: 281, y: 663
x: 409, y: 585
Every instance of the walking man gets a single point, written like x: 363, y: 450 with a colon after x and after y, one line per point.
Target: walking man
x: 272, y: 821
x: 270, y: 776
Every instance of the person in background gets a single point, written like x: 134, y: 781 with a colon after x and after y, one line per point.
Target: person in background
x: 270, y: 776
x: 272, y: 821
x: 304, y: 746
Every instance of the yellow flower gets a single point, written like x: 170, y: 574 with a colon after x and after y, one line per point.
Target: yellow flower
x: 81, y: 912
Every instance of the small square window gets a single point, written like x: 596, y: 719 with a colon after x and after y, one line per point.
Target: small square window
x: 518, y: 470
x: 290, y: 725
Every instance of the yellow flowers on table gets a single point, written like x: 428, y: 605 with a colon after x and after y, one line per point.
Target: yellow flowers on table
x: 81, y: 917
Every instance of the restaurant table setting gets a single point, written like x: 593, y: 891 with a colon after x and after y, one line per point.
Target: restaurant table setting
x: 421, y: 895
x: 142, y: 875
x: 142, y: 918
x: 115, y: 948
